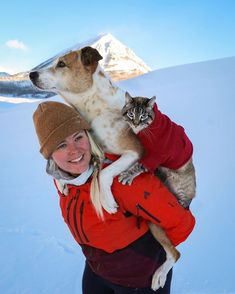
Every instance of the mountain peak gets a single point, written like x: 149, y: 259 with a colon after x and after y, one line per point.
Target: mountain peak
x: 119, y: 61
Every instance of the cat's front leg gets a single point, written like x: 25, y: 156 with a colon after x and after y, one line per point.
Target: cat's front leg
x: 128, y: 176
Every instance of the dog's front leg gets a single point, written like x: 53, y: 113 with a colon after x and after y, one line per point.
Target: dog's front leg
x: 107, y: 175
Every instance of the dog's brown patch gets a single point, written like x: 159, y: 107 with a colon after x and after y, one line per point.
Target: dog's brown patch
x: 69, y: 58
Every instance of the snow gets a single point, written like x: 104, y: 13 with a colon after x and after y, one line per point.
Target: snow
x: 17, y: 100
x: 38, y: 254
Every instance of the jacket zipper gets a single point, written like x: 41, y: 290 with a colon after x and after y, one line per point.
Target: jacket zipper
x: 148, y: 213
x: 68, y: 216
x: 74, y: 217
x: 81, y: 221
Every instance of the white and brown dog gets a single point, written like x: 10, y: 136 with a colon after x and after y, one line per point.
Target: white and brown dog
x: 78, y: 78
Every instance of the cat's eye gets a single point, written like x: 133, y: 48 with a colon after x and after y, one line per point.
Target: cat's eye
x: 143, y: 116
x: 130, y: 115
x: 60, y: 64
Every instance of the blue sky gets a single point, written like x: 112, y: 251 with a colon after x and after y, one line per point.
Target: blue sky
x: 162, y: 33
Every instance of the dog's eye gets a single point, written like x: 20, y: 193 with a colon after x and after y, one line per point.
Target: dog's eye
x: 61, y: 64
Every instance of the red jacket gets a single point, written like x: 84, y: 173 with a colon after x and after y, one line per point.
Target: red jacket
x: 121, y: 249
x: 165, y: 143
x: 147, y: 199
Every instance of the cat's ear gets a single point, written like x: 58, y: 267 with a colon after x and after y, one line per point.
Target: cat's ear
x: 128, y: 98
x: 152, y: 101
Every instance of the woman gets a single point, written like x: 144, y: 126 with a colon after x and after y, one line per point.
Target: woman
x: 121, y: 254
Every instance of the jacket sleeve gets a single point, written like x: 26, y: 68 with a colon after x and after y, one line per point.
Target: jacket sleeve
x: 148, y: 198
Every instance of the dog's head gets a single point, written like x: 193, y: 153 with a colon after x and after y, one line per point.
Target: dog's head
x: 71, y: 72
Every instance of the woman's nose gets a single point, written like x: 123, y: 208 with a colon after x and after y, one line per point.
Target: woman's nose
x: 72, y: 148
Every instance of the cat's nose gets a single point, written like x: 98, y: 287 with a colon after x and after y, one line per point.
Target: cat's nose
x: 136, y: 123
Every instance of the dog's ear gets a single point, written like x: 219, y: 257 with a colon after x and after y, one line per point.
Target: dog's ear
x: 90, y: 56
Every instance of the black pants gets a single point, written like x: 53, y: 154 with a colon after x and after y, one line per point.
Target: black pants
x: 93, y: 284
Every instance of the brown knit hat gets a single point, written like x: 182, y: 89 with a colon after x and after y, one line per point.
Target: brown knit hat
x: 54, y: 122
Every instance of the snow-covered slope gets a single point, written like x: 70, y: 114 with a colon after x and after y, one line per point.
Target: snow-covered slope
x: 38, y: 254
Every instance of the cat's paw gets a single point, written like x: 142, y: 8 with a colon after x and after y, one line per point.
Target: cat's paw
x: 185, y: 202
x: 126, y: 178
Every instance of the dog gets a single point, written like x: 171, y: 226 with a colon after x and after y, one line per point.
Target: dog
x: 77, y: 77
x: 80, y: 81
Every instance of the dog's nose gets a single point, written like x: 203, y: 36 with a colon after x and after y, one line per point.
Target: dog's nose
x: 33, y: 75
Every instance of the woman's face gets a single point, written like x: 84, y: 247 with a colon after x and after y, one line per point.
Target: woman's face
x: 73, y: 155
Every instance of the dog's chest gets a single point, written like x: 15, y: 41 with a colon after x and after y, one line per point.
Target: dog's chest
x: 107, y: 128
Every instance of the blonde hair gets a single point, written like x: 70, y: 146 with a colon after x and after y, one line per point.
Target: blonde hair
x: 97, y: 159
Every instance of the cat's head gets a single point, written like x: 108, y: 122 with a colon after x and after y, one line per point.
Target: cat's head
x: 138, y: 112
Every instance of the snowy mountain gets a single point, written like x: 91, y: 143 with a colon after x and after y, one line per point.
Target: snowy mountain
x: 119, y: 62
x: 37, y: 252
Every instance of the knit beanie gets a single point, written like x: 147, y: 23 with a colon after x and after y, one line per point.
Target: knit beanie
x: 54, y: 122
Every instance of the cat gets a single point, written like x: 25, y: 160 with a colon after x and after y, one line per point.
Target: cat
x: 168, y: 149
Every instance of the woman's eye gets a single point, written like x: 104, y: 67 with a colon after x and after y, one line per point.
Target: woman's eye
x: 78, y: 138
x: 61, y: 146
x: 61, y: 64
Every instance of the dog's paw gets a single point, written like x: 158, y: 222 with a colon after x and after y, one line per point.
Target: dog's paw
x: 107, y: 200
x: 159, y: 278
x: 110, y: 207
x: 160, y: 275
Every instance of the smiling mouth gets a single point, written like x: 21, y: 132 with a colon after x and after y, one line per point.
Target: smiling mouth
x: 77, y: 159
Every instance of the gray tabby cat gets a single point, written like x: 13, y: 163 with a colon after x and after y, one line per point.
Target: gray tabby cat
x: 139, y: 113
